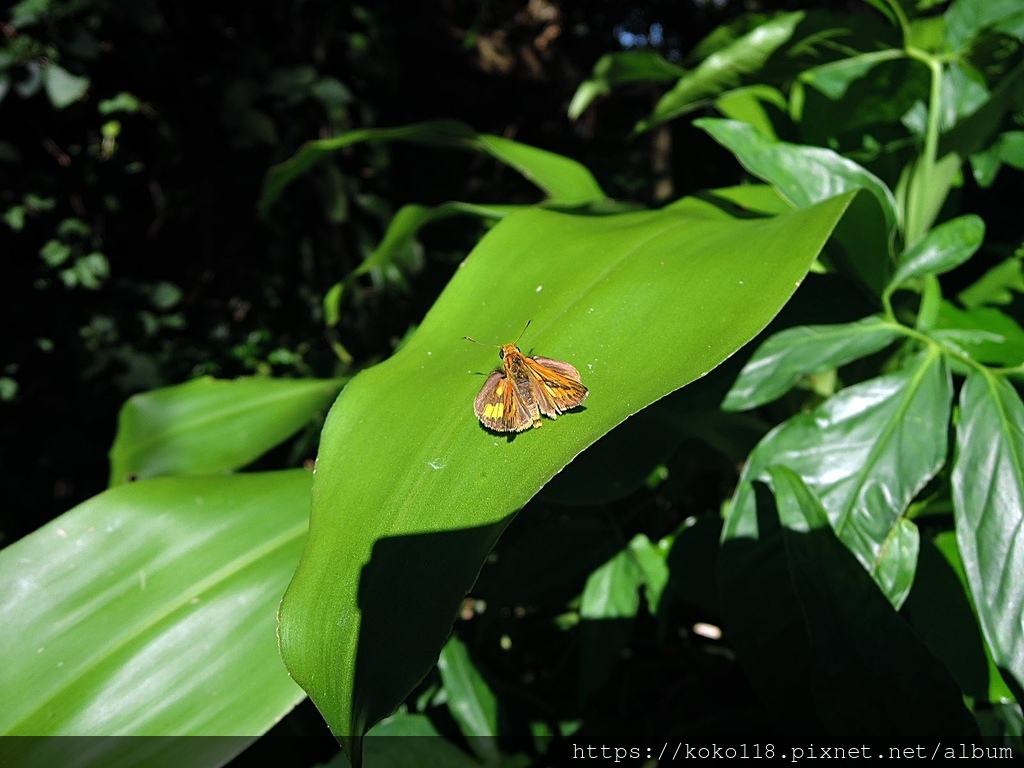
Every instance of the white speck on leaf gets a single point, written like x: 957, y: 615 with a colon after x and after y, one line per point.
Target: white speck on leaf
x: 540, y: 288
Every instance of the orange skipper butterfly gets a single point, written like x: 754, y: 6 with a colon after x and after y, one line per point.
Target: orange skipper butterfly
x: 514, y: 398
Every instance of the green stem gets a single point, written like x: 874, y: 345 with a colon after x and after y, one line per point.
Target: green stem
x: 928, y: 341
x: 921, y: 181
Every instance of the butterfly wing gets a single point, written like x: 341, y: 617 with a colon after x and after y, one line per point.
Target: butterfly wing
x: 499, y: 407
x: 558, y: 386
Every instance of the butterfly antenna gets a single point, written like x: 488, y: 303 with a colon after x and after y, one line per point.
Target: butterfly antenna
x: 498, y: 346
x: 470, y: 338
x: 522, y: 331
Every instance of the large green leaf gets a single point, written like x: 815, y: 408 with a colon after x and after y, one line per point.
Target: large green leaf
x: 988, y: 499
x: 150, y: 610
x: 795, y: 352
x: 561, y: 178
x: 866, y: 452
x: 411, y: 492
x: 205, y: 426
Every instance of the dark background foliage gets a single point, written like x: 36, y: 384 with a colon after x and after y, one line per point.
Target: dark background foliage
x: 137, y: 258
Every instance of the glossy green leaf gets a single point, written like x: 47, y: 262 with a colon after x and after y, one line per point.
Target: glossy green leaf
x: 988, y: 500
x: 897, y: 560
x: 206, y: 426
x: 392, y: 554
x: 470, y: 700
x: 944, y: 248
x: 560, y: 178
x: 866, y: 452
x: 150, y: 610
x: 616, y: 69
x: 725, y: 69
x: 783, y: 358
x: 803, y: 175
x: 760, y: 106
x: 985, y: 333
x: 872, y: 678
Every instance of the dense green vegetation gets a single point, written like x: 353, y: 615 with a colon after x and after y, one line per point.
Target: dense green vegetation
x: 783, y: 248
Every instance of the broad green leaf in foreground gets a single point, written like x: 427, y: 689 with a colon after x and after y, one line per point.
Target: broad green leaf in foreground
x: 411, y: 492
x: 988, y: 500
x: 795, y: 352
x: 866, y: 452
x: 206, y: 426
x: 150, y: 610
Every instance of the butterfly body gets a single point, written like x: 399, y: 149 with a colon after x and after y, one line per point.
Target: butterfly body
x: 514, y: 399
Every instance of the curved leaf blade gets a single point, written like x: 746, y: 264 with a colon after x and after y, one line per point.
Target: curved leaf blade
x: 785, y: 357
x: 725, y: 69
x: 988, y: 501
x: 388, y: 562
x: 803, y: 175
x: 470, y: 700
x: 865, y: 453
x: 947, y: 246
x: 410, y: 219
x: 150, y: 610
x: 205, y: 426
x: 561, y: 178
x: 616, y: 69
